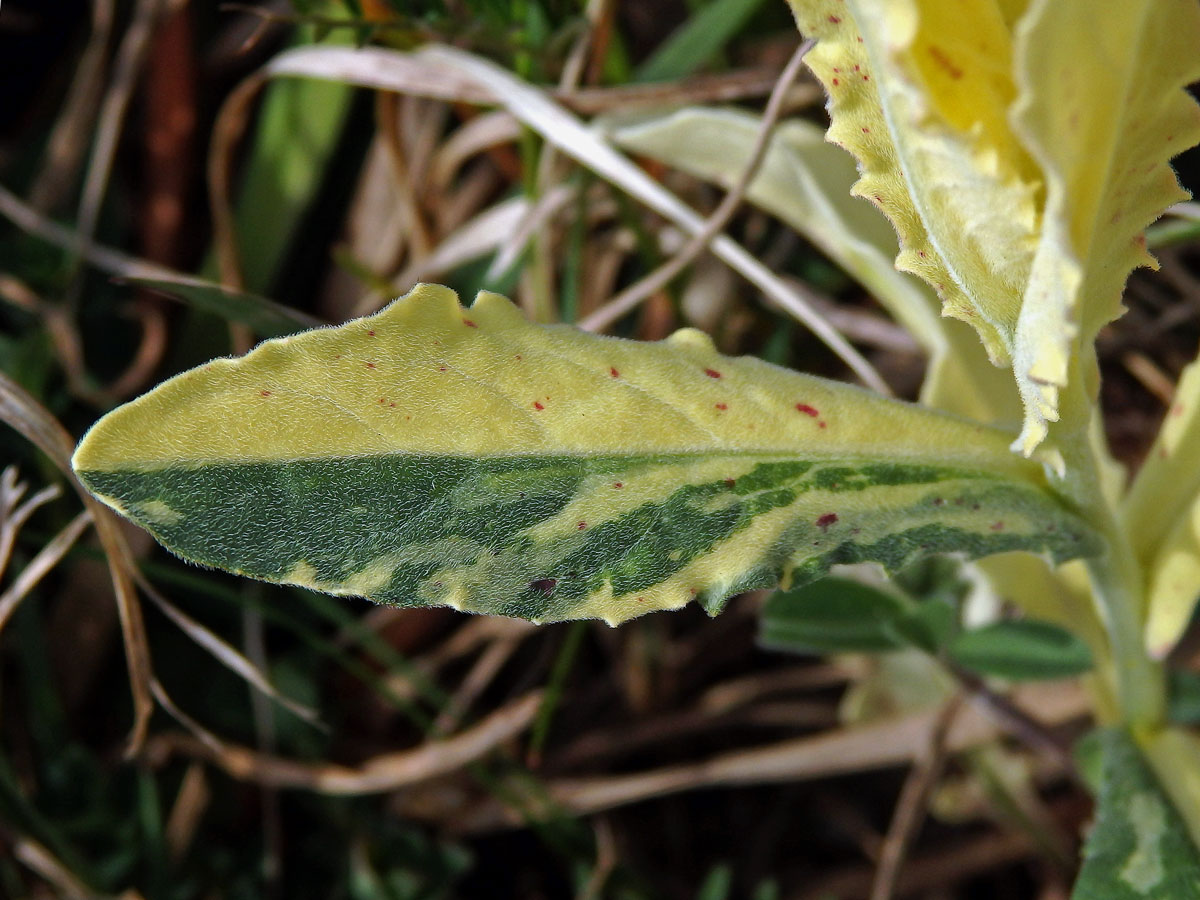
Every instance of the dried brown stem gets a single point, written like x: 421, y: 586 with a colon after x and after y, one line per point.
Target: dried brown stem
x: 912, y: 805
x: 380, y: 774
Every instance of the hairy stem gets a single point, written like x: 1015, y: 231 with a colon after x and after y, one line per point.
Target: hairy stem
x: 1137, y: 682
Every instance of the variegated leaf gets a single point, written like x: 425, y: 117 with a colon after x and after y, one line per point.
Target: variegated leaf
x: 430, y: 454
x: 1102, y: 109
x: 920, y: 97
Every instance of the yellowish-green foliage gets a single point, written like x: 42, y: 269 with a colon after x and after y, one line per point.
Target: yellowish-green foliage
x: 435, y: 454
x: 1162, y: 515
x: 1020, y: 150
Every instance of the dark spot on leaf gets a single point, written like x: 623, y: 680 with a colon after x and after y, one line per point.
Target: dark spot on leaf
x: 544, y: 586
x: 469, y: 323
x: 826, y: 520
x: 807, y: 410
x: 712, y: 373
x: 537, y: 405
x: 614, y: 373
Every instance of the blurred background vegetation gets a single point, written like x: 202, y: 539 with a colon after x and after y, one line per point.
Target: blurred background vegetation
x: 423, y: 753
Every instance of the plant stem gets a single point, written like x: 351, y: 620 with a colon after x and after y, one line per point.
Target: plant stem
x: 1137, y: 682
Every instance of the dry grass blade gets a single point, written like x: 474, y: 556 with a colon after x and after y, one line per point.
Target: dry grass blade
x: 45, y: 560
x: 117, y: 263
x: 535, y: 220
x: 190, y: 805
x: 12, y: 516
x: 69, y: 139
x: 111, y: 117
x: 379, y: 774
x: 202, y: 735
x: 562, y: 130
x: 476, y: 237
x: 40, y: 860
x: 227, y: 655
x: 421, y: 80
x: 390, y: 70
x: 475, y: 682
x: 913, y: 802
x: 881, y: 744
x: 30, y: 419
x: 476, y: 135
x: 1189, y: 210
x: 633, y: 295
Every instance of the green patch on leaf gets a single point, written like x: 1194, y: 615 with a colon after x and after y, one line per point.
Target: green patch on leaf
x: 1139, y: 848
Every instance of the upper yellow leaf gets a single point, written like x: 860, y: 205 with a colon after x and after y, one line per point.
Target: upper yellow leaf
x: 1020, y: 150
x: 1102, y: 110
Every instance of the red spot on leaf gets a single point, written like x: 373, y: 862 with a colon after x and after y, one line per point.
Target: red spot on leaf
x: 441, y: 368
x: 834, y: 20
x: 391, y: 406
x: 469, y: 323
x: 383, y: 400
x: 519, y: 356
x: 370, y: 365
x: 836, y: 82
x: 722, y: 406
x: 614, y: 373
x: 712, y: 373
x: 729, y: 483
x: 822, y: 424
x: 265, y: 393
x: 581, y: 526
x: 618, y: 484
x: 826, y: 520
x: 370, y: 334
x: 537, y: 405
x: 866, y: 131
x: 997, y: 526
x: 946, y: 63
x: 807, y: 410
x: 866, y: 77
